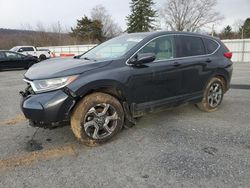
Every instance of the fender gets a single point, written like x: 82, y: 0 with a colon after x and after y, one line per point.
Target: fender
x: 98, y: 85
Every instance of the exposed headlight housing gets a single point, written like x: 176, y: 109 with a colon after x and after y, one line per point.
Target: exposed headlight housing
x: 40, y: 86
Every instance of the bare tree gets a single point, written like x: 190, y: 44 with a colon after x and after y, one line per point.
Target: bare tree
x: 237, y: 25
x: 110, y: 27
x: 189, y: 15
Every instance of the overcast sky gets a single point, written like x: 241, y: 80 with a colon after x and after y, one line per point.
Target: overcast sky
x: 15, y: 13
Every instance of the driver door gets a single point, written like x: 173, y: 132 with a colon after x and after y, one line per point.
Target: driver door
x: 159, y: 79
x: 15, y: 60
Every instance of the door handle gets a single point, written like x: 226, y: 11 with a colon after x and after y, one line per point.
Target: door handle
x: 208, y: 60
x: 176, y: 64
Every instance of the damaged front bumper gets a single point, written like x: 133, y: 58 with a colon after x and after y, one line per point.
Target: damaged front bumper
x: 47, y: 110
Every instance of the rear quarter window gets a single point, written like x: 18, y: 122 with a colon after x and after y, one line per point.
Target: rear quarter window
x: 190, y: 46
x: 211, y: 45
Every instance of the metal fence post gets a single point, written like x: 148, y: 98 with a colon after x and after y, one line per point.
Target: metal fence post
x: 243, y: 50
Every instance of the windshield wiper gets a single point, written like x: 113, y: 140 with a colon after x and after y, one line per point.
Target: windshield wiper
x: 77, y: 57
x: 86, y: 58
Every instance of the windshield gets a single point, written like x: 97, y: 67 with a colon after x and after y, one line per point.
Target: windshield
x: 114, y: 48
x: 14, y: 49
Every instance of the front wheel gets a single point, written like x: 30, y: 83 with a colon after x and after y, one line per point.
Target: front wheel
x: 97, y: 119
x: 213, y: 95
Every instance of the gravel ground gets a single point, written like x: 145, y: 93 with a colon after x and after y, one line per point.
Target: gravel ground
x: 179, y: 147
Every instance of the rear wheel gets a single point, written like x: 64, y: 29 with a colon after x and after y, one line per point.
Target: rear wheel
x: 42, y: 57
x: 97, y: 119
x: 213, y: 95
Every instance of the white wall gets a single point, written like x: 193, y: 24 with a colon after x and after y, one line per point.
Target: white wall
x: 239, y: 47
x: 72, y: 49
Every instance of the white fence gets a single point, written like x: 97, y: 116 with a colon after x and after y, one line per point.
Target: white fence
x: 239, y: 47
x: 71, y: 50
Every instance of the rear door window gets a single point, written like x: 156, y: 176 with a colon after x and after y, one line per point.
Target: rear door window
x: 190, y: 46
x: 210, y: 45
x: 28, y: 49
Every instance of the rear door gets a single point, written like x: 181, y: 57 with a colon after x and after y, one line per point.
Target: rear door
x: 193, y: 64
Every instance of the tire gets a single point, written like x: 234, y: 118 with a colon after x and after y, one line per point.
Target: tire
x: 213, y: 95
x: 42, y: 57
x: 97, y: 118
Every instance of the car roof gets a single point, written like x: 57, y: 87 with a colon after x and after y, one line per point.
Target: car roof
x: 21, y: 46
x: 10, y: 51
x: 159, y: 33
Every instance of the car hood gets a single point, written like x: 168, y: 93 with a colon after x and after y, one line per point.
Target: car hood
x: 60, y: 67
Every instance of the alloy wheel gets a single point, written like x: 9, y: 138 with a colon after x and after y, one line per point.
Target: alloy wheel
x: 100, y: 121
x: 215, y: 95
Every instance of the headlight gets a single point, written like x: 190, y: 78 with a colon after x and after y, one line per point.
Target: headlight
x: 51, y: 84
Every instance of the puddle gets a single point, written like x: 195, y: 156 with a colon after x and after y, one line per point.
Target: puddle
x: 33, y: 145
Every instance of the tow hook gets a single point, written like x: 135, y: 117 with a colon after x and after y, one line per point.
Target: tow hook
x: 23, y: 94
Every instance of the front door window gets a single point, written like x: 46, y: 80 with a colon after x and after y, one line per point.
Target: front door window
x: 162, y: 47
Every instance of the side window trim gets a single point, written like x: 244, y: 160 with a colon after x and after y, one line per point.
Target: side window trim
x: 179, y: 58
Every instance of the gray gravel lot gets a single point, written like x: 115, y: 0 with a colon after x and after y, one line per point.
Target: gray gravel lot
x: 180, y: 147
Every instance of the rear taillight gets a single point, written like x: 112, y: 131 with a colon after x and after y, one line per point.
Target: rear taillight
x: 228, y: 55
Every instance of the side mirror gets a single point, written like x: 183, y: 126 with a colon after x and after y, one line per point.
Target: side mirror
x: 143, y: 58
x: 20, y: 50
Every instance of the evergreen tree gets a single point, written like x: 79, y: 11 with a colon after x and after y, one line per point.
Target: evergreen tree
x: 142, y: 16
x: 246, y: 28
x: 88, y: 30
x: 227, y: 32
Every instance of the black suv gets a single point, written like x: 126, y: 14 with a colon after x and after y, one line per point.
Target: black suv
x: 122, y: 79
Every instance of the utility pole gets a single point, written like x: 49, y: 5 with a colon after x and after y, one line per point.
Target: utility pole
x: 212, y: 30
x: 242, y: 32
x: 243, y: 44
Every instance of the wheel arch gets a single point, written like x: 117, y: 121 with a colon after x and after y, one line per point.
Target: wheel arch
x: 221, y: 74
x: 42, y: 56
x: 224, y: 76
x: 111, y: 87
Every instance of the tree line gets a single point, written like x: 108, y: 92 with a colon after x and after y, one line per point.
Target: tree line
x: 241, y: 30
x: 174, y: 15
